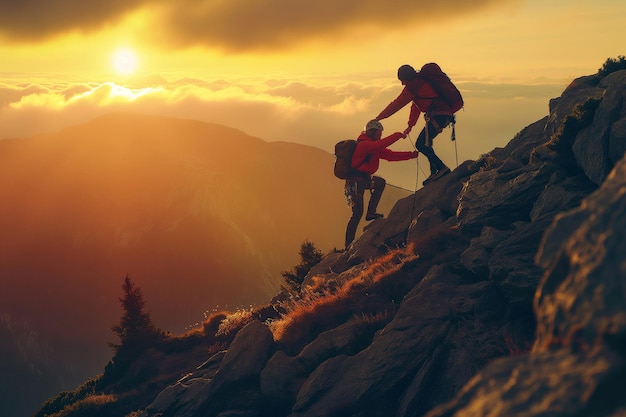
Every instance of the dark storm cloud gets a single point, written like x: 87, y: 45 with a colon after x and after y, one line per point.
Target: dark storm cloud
x: 274, y: 24
x: 231, y: 24
x: 33, y: 20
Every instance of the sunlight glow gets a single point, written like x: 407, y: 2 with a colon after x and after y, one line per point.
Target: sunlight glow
x: 117, y: 91
x: 124, y: 61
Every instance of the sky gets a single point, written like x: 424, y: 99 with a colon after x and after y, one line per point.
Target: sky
x: 305, y: 72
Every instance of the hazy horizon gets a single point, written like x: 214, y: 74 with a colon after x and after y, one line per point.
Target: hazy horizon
x: 311, y: 75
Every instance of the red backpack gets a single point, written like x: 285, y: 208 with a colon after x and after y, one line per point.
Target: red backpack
x: 442, y: 84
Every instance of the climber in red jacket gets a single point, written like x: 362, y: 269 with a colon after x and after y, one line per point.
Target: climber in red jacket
x: 370, y: 149
x: 437, y: 115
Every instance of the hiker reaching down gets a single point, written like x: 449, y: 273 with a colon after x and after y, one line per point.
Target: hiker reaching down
x: 370, y: 148
x: 437, y: 115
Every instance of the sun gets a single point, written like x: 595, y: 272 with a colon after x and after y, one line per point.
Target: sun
x: 124, y: 61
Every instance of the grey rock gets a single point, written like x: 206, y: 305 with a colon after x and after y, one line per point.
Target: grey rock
x: 592, y: 144
x: 511, y: 264
x: 247, y: 354
x: 583, y: 293
x: 561, y: 194
x: 283, y: 376
x: 519, y: 149
x: 576, y: 94
x: 559, y: 383
x: 492, y: 199
x: 476, y: 257
x: 409, y: 347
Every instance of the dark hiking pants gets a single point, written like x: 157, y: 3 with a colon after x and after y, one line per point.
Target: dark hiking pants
x: 435, y: 125
x: 362, y: 184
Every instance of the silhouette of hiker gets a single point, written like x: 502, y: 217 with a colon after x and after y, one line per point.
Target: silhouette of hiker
x: 369, y: 150
x: 437, y: 115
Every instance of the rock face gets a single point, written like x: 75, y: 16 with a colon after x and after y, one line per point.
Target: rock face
x: 505, y: 293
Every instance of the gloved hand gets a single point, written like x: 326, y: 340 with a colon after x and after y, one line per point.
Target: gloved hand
x: 408, y: 130
x: 416, y: 154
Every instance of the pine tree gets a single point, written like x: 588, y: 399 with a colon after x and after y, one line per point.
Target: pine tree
x: 136, y: 330
x: 309, y: 257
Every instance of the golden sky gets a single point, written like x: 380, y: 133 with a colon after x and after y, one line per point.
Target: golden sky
x: 306, y: 72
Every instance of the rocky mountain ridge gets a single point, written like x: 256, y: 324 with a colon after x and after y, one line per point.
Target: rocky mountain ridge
x: 498, y: 290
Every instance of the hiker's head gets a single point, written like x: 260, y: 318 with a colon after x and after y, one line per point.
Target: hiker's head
x: 374, y: 129
x: 406, y: 73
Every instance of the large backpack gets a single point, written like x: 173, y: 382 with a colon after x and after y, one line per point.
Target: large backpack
x: 343, y: 158
x: 442, y: 85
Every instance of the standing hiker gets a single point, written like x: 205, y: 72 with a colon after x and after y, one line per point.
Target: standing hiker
x: 432, y: 93
x: 370, y: 148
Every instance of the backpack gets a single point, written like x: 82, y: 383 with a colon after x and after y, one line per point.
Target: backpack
x: 343, y: 158
x: 442, y: 85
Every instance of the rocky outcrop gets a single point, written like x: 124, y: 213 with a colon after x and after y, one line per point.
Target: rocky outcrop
x: 577, y: 366
x: 521, y: 248
x: 207, y: 390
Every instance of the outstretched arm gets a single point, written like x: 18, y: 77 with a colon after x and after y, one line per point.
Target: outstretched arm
x: 415, y: 114
x: 402, y: 100
x: 377, y: 145
x: 389, y: 155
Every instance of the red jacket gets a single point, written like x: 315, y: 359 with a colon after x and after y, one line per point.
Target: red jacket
x: 424, y: 99
x: 376, y: 150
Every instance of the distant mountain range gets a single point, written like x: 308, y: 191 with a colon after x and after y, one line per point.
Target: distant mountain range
x: 201, y: 216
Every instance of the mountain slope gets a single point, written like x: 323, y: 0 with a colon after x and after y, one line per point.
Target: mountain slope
x: 439, y: 309
x: 197, y: 214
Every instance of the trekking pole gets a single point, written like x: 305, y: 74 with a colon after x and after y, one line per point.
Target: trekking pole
x: 417, y: 177
x: 419, y: 168
x: 427, y: 130
x: 417, y: 164
x: 453, y: 138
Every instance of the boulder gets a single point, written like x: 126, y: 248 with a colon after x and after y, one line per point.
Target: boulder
x: 598, y: 146
x: 560, y: 383
x: 491, y: 198
x: 580, y: 91
x: 247, y: 354
x: 582, y: 296
x: 476, y: 257
x: 245, y: 358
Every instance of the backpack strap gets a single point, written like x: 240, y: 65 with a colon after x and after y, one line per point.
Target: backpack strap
x: 356, y: 169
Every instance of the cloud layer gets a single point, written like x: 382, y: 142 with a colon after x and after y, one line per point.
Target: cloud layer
x: 304, y: 111
x: 240, y: 25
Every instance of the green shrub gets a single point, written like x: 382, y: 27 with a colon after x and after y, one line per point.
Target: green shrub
x: 580, y: 118
x: 96, y: 405
x: 66, y: 398
x: 611, y: 65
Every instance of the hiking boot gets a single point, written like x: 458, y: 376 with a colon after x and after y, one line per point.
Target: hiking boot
x: 443, y: 171
x: 429, y: 179
x: 433, y: 177
x: 373, y: 216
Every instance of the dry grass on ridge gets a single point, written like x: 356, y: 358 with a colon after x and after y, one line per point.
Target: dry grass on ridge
x: 330, y: 302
